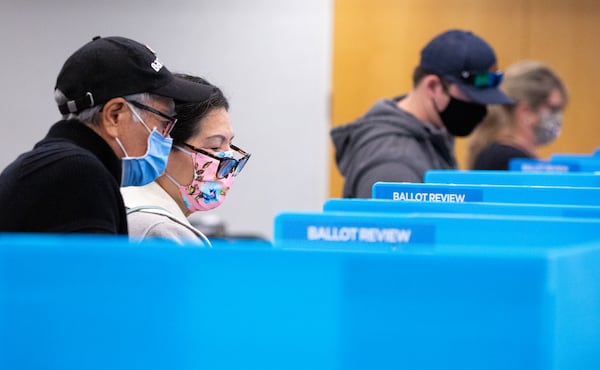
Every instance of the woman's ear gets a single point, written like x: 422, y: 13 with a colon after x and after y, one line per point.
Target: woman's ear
x: 115, y: 114
x: 524, y: 113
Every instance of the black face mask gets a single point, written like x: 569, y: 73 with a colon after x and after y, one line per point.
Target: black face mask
x: 461, y: 117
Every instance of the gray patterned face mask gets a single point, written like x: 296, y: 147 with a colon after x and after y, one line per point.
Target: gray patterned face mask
x: 548, y: 129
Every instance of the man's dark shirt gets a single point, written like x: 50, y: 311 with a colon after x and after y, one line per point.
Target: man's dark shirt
x: 69, y: 183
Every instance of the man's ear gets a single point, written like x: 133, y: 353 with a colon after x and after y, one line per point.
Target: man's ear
x: 115, y: 114
x: 432, y: 84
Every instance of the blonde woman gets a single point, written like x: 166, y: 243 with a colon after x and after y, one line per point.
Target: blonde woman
x: 516, y: 131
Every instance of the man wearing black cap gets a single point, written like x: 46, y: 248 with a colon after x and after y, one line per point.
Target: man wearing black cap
x: 117, y: 102
x: 399, y: 139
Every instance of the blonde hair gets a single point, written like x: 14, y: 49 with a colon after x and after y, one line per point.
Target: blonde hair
x: 527, y: 81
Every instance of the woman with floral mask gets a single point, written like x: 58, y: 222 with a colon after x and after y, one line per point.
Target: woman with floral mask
x: 516, y: 131
x: 201, y: 169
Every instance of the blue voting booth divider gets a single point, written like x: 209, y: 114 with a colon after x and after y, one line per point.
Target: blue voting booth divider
x: 512, y: 178
x: 537, y: 165
x: 104, y: 303
x: 583, y: 163
x: 460, y: 193
x: 473, y: 208
x: 390, y: 231
x: 444, y: 277
x: 574, y: 157
x: 448, y: 290
x: 560, y: 162
x: 555, y: 165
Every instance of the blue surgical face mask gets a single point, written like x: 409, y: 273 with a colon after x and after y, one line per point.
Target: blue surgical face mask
x: 138, y: 171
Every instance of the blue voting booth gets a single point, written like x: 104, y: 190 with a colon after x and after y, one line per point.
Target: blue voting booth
x: 537, y: 165
x: 444, y: 292
x: 103, y: 303
x: 473, y: 208
x: 461, y: 193
x: 581, y: 162
x: 389, y: 231
x: 559, y: 164
x: 423, y: 276
x: 579, y: 179
x: 575, y: 156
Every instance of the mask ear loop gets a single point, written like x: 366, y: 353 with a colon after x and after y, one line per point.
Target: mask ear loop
x: 121, y: 146
x: 137, y: 115
x: 191, y: 154
x: 446, y: 88
x: 182, y: 149
x: 194, y: 170
x: 172, y: 179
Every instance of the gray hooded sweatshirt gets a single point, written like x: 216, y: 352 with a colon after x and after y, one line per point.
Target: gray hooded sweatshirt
x: 388, y: 144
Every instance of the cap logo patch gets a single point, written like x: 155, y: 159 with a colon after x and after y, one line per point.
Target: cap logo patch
x: 156, y: 65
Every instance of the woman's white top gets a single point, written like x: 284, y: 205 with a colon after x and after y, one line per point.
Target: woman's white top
x: 152, y: 213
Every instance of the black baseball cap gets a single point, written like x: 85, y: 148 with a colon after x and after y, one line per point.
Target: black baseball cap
x: 109, y: 67
x: 468, y: 61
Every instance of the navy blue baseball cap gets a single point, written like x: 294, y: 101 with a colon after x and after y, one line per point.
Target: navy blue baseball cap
x: 110, y: 67
x: 465, y: 59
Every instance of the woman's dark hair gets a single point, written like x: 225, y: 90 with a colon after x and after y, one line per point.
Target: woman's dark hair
x: 190, y: 114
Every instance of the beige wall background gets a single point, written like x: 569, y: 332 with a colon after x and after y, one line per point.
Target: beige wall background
x: 376, y: 46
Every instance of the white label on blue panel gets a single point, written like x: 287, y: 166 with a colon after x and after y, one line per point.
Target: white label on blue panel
x: 402, y: 192
x: 545, y: 167
x: 358, y: 234
x: 348, y: 229
x: 429, y: 197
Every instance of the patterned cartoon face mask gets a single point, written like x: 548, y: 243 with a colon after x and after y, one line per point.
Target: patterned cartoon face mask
x: 206, y: 191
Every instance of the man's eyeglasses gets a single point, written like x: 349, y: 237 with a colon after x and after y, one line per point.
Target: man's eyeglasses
x: 226, y: 165
x: 167, y: 125
x: 482, y: 79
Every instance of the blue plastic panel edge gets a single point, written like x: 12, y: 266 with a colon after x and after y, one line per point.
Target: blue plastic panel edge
x: 382, y: 231
x: 535, y: 165
x: 390, y: 206
x: 486, y: 193
x: 512, y: 178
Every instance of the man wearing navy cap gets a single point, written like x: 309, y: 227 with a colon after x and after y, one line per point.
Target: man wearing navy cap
x: 399, y: 139
x: 117, y: 101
